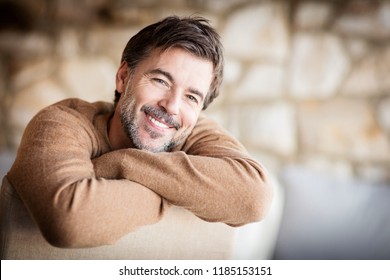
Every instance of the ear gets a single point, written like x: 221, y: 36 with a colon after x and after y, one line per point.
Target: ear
x: 121, y: 77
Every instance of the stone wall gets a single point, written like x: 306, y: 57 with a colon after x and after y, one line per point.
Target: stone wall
x: 306, y: 82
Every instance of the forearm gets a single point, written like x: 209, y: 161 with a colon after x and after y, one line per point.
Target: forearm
x: 225, y: 190
x: 233, y: 190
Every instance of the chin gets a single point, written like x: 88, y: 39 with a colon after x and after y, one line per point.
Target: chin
x: 154, y: 147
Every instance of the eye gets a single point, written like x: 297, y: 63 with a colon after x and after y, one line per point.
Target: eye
x: 192, y: 98
x: 160, y: 82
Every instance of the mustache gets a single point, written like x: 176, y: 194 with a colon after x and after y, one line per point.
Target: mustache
x: 161, y: 114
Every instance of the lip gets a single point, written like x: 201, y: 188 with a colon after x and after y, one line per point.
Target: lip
x: 156, y: 126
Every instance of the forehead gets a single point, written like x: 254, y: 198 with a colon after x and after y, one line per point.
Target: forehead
x: 181, y: 64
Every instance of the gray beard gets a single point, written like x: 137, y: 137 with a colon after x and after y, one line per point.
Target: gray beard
x: 131, y: 128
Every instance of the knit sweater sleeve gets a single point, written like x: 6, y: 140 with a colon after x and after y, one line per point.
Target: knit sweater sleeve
x: 55, y: 178
x: 212, y: 175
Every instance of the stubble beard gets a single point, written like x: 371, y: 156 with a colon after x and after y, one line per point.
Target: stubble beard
x: 131, y: 126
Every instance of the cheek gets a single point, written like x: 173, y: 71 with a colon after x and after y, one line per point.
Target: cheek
x: 190, y: 117
x: 147, y: 94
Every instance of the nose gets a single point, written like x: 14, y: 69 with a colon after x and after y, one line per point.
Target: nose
x: 171, y: 103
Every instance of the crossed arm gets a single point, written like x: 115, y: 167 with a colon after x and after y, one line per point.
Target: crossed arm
x: 82, y: 195
x: 212, y: 176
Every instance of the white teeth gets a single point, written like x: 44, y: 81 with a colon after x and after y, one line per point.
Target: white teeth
x: 156, y: 122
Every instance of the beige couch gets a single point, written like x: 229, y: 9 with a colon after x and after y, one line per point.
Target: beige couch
x: 180, y: 235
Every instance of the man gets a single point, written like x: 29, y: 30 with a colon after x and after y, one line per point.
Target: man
x: 91, y: 173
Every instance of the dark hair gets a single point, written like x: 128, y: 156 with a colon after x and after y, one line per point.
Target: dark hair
x: 193, y: 34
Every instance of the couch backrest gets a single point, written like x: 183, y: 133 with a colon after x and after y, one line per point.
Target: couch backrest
x: 180, y: 235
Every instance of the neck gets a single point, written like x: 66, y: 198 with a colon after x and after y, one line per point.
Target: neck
x: 116, y: 134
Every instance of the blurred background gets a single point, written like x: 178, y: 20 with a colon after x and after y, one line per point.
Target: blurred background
x: 306, y: 90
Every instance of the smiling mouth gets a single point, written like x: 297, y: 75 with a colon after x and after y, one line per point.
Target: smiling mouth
x: 157, y: 122
x: 159, y: 118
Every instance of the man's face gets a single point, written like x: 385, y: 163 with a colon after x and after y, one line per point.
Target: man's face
x: 163, y: 97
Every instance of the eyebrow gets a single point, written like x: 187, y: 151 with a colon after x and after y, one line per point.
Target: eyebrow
x: 172, y: 80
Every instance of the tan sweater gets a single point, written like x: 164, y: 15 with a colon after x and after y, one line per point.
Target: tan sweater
x: 82, y: 193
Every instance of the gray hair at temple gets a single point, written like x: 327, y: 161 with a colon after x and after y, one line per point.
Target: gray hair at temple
x: 193, y: 34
